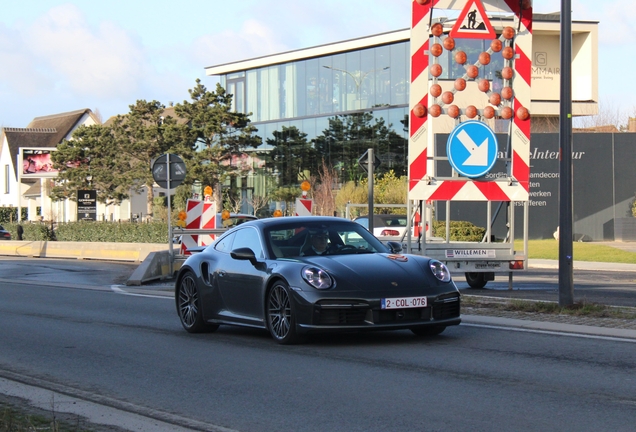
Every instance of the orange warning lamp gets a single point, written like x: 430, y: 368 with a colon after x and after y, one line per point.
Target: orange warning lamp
x: 277, y: 213
x: 305, y: 186
x: 182, y: 219
x: 225, y: 215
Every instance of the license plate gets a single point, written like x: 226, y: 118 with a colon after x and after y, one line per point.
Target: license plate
x: 488, y: 265
x: 403, y: 302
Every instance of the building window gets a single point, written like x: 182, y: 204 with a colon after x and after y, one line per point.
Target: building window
x: 236, y: 87
x: 6, y: 179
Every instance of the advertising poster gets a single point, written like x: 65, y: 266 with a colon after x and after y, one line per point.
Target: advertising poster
x: 37, y: 163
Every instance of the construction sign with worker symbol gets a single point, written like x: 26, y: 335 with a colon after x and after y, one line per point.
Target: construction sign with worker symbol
x: 473, y: 23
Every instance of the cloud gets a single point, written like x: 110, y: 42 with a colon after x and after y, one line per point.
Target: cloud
x: 101, y: 62
x: 253, y: 39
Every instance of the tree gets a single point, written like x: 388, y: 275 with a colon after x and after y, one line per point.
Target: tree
x: 292, y: 156
x: 349, y: 136
x: 222, y: 136
x: 88, y: 162
x: 115, y: 159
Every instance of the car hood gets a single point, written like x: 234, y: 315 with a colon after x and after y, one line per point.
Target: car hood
x: 378, y: 272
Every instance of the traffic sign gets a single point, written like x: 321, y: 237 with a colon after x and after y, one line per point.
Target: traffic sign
x: 164, y: 168
x: 472, y: 149
x: 473, y: 23
x: 363, y: 161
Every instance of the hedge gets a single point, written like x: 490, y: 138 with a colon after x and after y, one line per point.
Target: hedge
x: 123, y: 232
x: 459, y: 231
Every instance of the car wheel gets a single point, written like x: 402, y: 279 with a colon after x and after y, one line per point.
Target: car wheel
x: 281, y: 321
x: 428, y: 330
x: 476, y: 280
x: 189, y: 306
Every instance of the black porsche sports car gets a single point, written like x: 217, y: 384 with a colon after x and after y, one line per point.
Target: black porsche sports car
x: 299, y: 275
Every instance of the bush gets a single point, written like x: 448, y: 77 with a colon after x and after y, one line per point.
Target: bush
x: 459, y: 231
x: 10, y: 214
x: 83, y: 231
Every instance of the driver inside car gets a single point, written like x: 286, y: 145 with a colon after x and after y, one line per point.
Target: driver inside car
x: 318, y: 243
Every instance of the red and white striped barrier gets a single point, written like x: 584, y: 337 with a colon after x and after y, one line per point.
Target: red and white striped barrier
x: 303, y: 207
x: 208, y: 221
x: 194, y: 209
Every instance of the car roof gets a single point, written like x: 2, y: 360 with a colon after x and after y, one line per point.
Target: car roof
x: 275, y: 221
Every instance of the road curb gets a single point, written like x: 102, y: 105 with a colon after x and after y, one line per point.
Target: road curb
x: 551, y: 326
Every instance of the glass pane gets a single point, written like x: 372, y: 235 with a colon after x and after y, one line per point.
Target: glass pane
x: 252, y: 96
x: 383, y: 82
x: 399, y: 74
x: 312, y: 86
x: 366, y: 78
x: 301, y: 85
x: 351, y: 75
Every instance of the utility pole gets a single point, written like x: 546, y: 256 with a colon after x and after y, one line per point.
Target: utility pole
x: 566, y: 278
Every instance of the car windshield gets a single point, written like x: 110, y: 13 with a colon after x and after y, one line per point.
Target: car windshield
x: 307, y: 239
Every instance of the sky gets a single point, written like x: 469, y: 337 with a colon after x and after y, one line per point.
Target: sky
x: 58, y: 56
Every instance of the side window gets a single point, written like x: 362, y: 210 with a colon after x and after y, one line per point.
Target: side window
x: 249, y: 238
x: 224, y: 244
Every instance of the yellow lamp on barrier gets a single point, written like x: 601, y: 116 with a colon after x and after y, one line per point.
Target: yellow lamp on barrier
x: 182, y: 219
x: 225, y: 214
x: 305, y: 186
x: 277, y: 213
x: 207, y: 193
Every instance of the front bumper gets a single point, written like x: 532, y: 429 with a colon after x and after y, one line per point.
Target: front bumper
x: 359, y: 314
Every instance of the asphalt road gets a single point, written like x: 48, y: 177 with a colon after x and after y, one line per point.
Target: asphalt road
x: 128, y: 352
x: 614, y: 288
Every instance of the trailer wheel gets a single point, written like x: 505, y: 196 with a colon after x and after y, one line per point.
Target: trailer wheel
x: 476, y: 280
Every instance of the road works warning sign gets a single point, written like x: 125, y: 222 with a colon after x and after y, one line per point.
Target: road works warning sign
x: 473, y: 23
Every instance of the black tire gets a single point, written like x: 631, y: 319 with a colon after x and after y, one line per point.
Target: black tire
x: 281, y: 320
x: 476, y: 280
x: 428, y: 330
x: 189, y: 306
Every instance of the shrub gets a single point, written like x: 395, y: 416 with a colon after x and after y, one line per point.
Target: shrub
x: 459, y: 231
x: 84, y: 231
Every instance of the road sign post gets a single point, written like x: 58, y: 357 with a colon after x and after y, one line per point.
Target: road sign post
x: 169, y: 171
x: 369, y: 162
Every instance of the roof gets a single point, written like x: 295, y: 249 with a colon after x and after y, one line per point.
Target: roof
x: 348, y: 45
x: 63, y: 123
x: 47, y: 131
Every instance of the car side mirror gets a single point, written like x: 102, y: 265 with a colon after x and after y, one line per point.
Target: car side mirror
x: 394, y: 247
x: 244, y: 253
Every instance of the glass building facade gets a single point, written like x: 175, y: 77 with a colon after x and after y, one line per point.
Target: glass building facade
x: 336, y: 105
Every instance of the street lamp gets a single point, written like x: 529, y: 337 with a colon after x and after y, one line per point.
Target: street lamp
x: 357, y: 80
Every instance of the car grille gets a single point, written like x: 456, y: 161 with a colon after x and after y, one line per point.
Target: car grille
x: 342, y: 316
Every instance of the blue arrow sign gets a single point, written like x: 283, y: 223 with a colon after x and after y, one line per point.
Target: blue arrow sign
x: 472, y: 149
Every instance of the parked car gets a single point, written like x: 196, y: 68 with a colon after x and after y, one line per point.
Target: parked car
x: 258, y: 275
x: 386, y: 225
x: 4, y: 234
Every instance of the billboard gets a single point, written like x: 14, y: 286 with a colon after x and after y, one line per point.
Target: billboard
x: 36, y: 163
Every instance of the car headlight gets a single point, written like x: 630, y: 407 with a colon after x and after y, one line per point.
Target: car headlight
x: 317, y: 278
x: 440, y: 270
